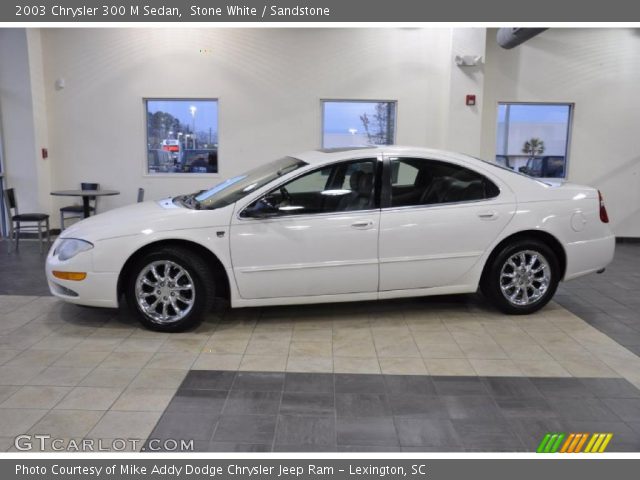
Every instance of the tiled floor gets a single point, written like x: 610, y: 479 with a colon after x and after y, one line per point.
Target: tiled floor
x: 78, y: 372
x: 267, y: 411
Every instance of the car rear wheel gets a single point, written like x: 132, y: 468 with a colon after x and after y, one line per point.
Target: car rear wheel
x: 522, y: 277
x: 170, y: 289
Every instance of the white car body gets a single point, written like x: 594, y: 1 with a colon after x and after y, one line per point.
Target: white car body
x: 344, y: 256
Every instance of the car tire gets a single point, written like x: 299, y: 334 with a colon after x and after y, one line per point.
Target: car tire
x: 522, y: 277
x: 180, y: 284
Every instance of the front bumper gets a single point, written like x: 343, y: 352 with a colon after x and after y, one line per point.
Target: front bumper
x: 98, y: 289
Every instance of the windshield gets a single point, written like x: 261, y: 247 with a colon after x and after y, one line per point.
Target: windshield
x: 233, y: 189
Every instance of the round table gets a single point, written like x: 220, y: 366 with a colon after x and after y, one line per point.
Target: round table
x: 86, y: 195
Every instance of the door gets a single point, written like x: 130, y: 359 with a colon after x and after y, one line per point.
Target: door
x: 438, y: 220
x: 314, y: 235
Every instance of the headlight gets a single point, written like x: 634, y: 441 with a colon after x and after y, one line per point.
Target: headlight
x: 70, y: 247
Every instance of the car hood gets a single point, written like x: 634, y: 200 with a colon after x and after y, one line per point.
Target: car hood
x: 145, y: 218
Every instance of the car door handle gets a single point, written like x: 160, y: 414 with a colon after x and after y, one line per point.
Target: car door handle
x: 362, y: 225
x: 489, y: 215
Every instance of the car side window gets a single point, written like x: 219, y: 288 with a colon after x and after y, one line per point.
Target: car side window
x: 419, y: 181
x: 342, y: 187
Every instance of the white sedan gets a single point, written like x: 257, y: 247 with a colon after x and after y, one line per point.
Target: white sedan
x: 337, y: 225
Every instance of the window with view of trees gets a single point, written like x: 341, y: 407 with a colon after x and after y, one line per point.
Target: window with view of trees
x: 352, y: 123
x: 533, y: 138
x: 182, y: 136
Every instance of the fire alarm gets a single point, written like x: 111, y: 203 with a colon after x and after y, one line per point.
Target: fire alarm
x: 471, y: 100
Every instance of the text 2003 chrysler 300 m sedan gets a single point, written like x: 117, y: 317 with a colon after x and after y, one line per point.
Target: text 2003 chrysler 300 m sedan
x: 338, y: 225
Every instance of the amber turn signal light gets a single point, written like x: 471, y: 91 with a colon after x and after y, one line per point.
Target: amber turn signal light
x: 75, y: 276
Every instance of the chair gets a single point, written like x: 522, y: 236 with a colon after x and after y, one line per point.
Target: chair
x: 16, y: 220
x: 77, y: 211
x: 140, y: 195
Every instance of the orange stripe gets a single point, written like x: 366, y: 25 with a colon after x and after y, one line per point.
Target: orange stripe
x: 580, y: 445
x: 575, y: 442
x: 566, y: 443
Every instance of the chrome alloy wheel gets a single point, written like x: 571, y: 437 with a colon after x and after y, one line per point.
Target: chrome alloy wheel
x: 165, y: 291
x: 525, y: 277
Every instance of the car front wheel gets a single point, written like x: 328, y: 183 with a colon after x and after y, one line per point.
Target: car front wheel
x: 522, y: 277
x: 170, y: 289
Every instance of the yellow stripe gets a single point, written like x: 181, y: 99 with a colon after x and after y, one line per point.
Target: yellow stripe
x: 598, y: 442
x: 584, y: 439
x: 566, y: 443
x: 607, y: 439
x: 590, y: 444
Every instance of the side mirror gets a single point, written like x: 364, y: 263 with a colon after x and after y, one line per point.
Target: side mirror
x: 260, y: 209
x: 522, y: 169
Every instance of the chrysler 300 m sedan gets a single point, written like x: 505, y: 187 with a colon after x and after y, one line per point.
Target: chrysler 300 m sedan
x: 337, y: 225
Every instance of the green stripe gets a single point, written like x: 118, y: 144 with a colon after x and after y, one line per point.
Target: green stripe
x: 550, y: 443
x: 558, y: 443
x: 543, y: 443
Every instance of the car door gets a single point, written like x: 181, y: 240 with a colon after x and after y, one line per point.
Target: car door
x: 437, y: 220
x: 314, y: 235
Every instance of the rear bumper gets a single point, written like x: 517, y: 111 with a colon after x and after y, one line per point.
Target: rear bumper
x: 589, y: 256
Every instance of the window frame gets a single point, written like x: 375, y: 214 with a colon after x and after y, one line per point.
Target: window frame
x: 386, y: 196
x: 357, y: 100
x: 572, y: 107
x: 145, y: 160
x: 377, y: 191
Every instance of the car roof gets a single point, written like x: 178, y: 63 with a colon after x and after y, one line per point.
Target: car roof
x: 330, y: 155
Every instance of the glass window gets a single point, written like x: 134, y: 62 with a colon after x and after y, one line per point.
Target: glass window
x: 533, y: 138
x: 352, y: 123
x: 182, y: 136
x: 418, y: 181
x: 345, y: 186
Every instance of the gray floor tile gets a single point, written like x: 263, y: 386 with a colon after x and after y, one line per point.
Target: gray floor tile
x: 259, y: 381
x: 610, y: 388
x: 308, y: 382
x: 185, y: 426
x: 411, y: 405
x: 193, y: 401
x: 562, y: 387
x: 426, y: 432
x: 362, y: 405
x: 297, y: 403
x: 523, y: 407
x: 236, y: 447
x: 409, y: 384
x: 208, y: 380
x: 348, y: 383
x: 367, y: 431
x: 628, y: 409
x: 470, y: 407
x: 511, y: 387
x: 252, y: 403
x: 306, y: 430
x: 258, y: 429
x: 460, y: 386
x: 531, y: 431
x: 582, y: 409
x: 487, y: 435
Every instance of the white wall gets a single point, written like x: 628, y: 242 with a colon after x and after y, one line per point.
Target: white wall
x: 269, y: 83
x: 599, y: 71
x: 24, y: 169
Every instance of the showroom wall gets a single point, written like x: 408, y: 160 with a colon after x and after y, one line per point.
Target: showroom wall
x: 23, y: 117
x: 599, y: 71
x: 269, y: 84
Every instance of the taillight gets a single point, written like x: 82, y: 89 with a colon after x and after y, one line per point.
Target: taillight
x: 604, y: 217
